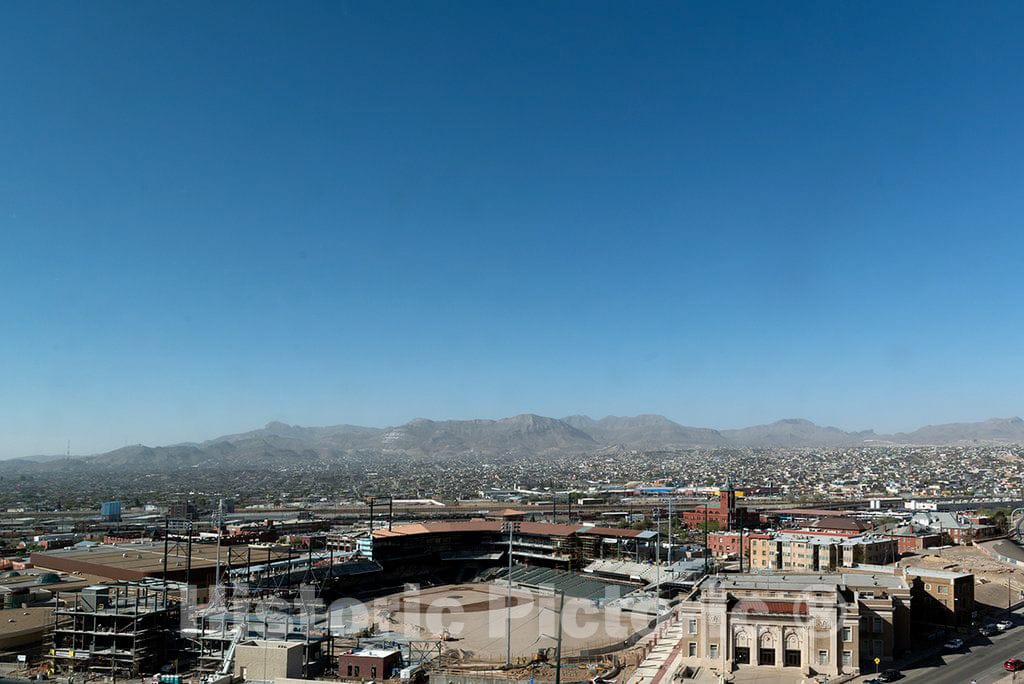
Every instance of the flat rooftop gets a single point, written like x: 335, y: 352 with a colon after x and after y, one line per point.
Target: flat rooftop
x: 928, y: 572
x: 780, y: 582
x: 373, y: 652
x: 863, y: 580
x: 19, y: 623
x: 495, y: 526
x: 148, y: 558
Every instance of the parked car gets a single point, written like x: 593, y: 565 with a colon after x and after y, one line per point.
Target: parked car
x: 890, y: 676
x: 1004, y: 625
x: 1013, y: 665
x: 954, y: 644
x: 989, y: 630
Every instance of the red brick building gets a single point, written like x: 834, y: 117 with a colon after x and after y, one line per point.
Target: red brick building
x: 840, y: 524
x: 911, y: 542
x: 126, y: 537
x: 369, y: 664
x: 727, y: 544
x: 725, y: 516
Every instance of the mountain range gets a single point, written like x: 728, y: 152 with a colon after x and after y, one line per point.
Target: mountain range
x: 528, y: 434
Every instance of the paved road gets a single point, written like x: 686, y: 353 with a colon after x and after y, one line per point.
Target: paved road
x: 981, y: 660
x: 1007, y: 548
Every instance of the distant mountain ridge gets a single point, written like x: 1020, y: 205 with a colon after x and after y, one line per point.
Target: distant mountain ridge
x: 646, y: 431
x: 280, y: 444
x: 1009, y: 430
x: 795, y: 432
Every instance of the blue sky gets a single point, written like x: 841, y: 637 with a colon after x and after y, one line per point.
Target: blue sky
x: 213, y: 215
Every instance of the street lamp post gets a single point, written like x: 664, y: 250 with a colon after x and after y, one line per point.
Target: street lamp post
x: 558, y: 643
x: 741, y: 549
x: 657, y: 561
x: 670, y: 532
x: 511, y: 527
x: 558, y: 635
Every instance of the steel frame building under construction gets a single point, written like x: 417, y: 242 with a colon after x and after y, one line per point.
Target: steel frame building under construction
x: 122, y: 629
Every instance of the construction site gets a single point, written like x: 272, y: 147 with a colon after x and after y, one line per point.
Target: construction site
x: 215, y: 612
x: 181, y: 607
x: 121, y: 629
x: 472, y: 622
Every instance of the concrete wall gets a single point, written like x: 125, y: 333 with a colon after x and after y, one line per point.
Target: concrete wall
x: 266, y: 660
x: 453, y: 678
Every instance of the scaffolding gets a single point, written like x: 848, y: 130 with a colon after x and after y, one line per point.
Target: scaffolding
x: 120, y: 630
x: 218, y: 629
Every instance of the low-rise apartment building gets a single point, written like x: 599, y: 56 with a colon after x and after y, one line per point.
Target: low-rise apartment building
x: 942, y: 597
x: 909, y: 540
x: 728, y: 544
x: 959, y: 528
x: 810, y: 551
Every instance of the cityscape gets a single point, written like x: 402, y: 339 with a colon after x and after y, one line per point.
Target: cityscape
x: 624, y: 564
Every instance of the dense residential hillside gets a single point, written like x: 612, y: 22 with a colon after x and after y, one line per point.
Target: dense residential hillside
x: 279, y: 444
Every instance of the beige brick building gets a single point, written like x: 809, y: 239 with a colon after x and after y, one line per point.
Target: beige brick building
x: 827, y: 624
x: 808, y: 551
x: 268, y: 660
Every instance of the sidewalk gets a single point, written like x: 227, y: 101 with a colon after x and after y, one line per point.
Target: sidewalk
x: 768, y: 676
x: 664, y: 658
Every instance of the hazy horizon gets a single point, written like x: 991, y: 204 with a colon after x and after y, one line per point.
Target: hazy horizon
x: 242, y: 430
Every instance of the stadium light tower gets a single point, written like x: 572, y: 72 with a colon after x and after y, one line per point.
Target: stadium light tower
x: 510, y: 527
x: 657, y: 558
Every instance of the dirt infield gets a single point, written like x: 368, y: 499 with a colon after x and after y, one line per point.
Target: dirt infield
x: 470, y: 621
x: 468, y: 600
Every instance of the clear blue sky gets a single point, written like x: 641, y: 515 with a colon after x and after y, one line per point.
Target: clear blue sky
x: 213, y: 215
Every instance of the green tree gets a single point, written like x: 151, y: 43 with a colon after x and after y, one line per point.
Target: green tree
x: 1001, y: 520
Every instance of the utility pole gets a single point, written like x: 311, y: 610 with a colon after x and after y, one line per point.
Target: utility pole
x: 511, y: 527
x: 705, y: 537
x: 219, y: 520
x: 657, y: 562
x: 670, y: 532
x: 188, y: 560
x: 558, y: 644
x: 391, y: 510
x: 166, y: 530
x: 740, y: 549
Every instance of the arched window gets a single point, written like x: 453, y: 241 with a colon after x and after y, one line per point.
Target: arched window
x: 791, y: 654
x: 741, y: 648
x: 766, y: 649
